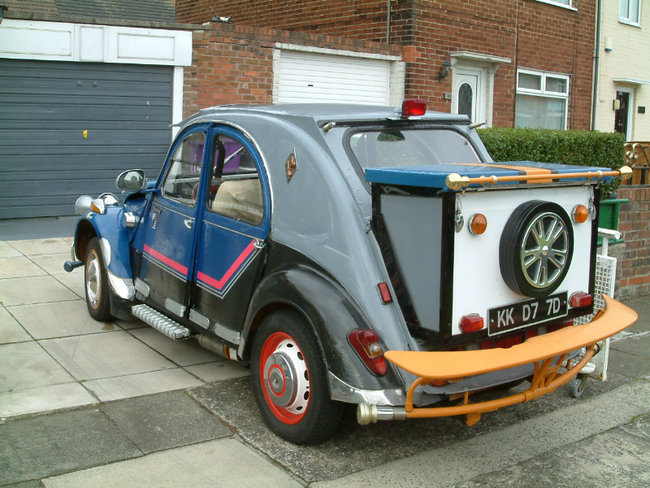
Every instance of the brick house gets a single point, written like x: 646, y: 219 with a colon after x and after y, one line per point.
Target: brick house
x: 503, y: 62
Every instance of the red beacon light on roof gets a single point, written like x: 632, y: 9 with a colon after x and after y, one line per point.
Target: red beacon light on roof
x: 413, y: 108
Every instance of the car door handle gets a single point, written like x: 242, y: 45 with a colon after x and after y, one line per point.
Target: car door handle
x: 188, y: 223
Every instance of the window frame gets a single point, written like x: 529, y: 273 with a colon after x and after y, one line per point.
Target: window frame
x: 543, y: 91
x: 628, y: 19
x: 180, y: 141
x: 559, y: 3
x: 216, y: 172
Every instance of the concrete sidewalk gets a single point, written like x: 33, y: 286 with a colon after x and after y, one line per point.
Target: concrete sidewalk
x: 54, y: 356
x: 118, y: 404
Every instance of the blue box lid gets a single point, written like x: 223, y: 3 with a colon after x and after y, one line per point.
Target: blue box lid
x: 435, y: 175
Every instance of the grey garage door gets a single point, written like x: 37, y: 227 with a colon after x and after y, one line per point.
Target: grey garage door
x: 69, y: 128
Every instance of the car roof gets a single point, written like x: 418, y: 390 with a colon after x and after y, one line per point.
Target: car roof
x: 322, y: 112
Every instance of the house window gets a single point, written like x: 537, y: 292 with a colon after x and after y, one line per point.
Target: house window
x: 629, y: 11
x: 541, y: 101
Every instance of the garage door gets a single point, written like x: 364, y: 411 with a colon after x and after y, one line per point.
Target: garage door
x: 308, y: 77
x: 69, y: 128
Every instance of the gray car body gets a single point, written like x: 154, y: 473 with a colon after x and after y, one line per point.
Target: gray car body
x: 324, y: 213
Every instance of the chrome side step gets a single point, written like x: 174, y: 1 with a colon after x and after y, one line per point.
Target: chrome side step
x: 160, y: 322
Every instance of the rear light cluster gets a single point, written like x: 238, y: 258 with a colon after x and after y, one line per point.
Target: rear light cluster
x: 471, y: 323
x: 368, y: 347
x: 580, y: 299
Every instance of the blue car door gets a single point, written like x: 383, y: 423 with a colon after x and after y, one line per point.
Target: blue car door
x: 167, y: 254
x: 232, y: 235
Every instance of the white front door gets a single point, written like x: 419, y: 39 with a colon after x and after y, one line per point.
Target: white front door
x: 469, y: 94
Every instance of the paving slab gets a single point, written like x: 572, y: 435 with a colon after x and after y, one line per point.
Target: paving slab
x: 51, y: 263
x: 183, y: 353
x: 36, y: 247
x: 58, y: 319
x: 48, y: 445
x: 74, y: 281
x: 10, y: 329
x: 163, y: 421
x: 44, y: 399
x: 40, y: 289
x: 7, y: 250
x: 26, y: 365
x: 18, y: 267
x: 225, y: 463
x: 132, y: 385
x: 104, y: 355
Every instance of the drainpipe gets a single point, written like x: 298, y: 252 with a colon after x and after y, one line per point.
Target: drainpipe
x: 594, y: 101
x: 388, y: 21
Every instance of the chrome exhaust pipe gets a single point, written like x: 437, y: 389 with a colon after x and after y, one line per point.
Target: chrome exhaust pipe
x: 217, y: 347
x: 370, y: 414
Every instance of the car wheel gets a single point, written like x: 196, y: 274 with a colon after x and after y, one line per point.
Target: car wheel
x: 96, y: 283
x: 290, y: 380
x: 536, y: 248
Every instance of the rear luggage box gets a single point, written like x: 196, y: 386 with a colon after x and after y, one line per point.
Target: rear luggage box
x: 518, y: 276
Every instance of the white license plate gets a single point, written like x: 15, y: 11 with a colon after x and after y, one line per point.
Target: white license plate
x: 527, y: 312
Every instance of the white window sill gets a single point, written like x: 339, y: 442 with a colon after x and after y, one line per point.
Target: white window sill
x: 629, y: 22
x: 555, y: 4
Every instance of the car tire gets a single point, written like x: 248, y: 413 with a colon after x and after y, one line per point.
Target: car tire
x: 290, y: 380
x: 532, y: 261
x: 96, y: 283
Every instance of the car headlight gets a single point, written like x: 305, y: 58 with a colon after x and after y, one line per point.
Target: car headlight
x: 82, y: 205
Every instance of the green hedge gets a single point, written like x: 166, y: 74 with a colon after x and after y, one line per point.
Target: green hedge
x: 581, y: 148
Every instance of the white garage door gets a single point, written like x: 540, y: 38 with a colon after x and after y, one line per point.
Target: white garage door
x: 308, y: 77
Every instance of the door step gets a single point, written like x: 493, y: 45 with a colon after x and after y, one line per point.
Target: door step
x: 160, y: 322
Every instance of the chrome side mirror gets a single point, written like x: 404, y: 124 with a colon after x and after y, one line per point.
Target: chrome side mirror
x: 131, y: 180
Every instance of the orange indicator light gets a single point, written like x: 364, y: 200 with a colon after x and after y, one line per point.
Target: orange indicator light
x: 478, y: 224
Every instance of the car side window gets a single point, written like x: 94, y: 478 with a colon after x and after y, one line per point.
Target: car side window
x: 182, y: 180
x: 235, y: 188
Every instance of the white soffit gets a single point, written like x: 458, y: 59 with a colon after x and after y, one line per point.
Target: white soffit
x: 57, y: 41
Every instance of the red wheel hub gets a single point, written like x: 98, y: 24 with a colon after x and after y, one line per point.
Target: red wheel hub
x: 284, y: 377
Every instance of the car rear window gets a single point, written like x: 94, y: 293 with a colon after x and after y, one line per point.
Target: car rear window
x: 413, y: 147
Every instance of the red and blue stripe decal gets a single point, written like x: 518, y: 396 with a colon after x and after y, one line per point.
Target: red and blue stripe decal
x: 176, y: 266
x: 202, y: 278
x: 219, y: 284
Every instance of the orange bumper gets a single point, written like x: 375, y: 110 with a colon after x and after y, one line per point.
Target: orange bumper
x: 542, y: 351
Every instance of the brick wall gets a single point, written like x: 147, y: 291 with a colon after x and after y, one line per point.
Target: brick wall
x: 633, y: 256
x: 532, y: 34
x: 233, y: 63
